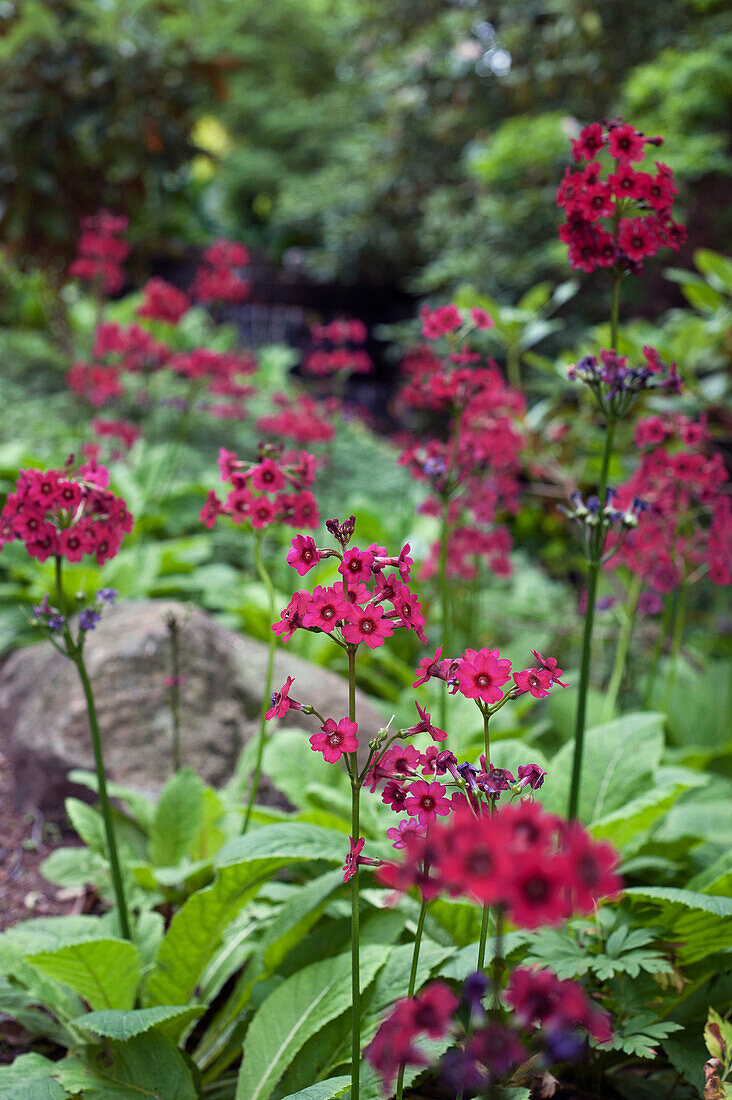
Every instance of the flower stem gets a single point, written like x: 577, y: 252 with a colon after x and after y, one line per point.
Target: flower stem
x: 412, y: 982
x: 444, y: 597
x: 658, y: 650
x: 497, y: 968
x: 267, y: 582
x: 513, y: 365
x: 74, y: 651
x: 355, y: 906
x: 484, y: 919
x: 174, y: 633
x: 677, y: 638
x: 621, y: 650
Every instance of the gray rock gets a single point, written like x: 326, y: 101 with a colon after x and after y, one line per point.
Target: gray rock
x: 43, y: 722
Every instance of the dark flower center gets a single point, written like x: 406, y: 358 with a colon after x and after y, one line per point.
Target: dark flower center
x: 536, y: 889
x: 427, y: 802
x: 367, y: 626
x: 483, y: 680
x: 335, y: 738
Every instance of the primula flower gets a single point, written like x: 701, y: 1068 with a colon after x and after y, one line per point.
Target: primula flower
x: 481, y: 673
x: 538, y: 997
x: 304, y: 554
x: 326, y: 608
x: 434, y: 1008
x: 550, y: 664
x: 163, y: 302
x: 531, y: 775
x: 401, y: 833
x: 291, y: 616
x: 356, y: 566
x: 429, y: 667
x: 394, y: 795
x: 425, y: 726
x: 354, y: 859
x: 537, y: 894
x: 281, y: 701
x: 335, y: 739
x: 534, y: 680
x: 425, y: 801
x: 367, y: 624
x: 267, y: 477
x: 594, y: 868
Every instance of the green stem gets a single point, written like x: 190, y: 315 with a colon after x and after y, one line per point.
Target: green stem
x: 444, y: 598
x: 621, y: 650
x: 74, y: 651
x: 412, y: 983
x: 486, y: 910
x: 513, y: 365
x: 614, y: 311
x: 355, y: 906
x: 579, y: 728
x: 172, y: 623
x: 677, y: 638
x: 497, y: 968
x: 267, y: 582
x: 658, y: 650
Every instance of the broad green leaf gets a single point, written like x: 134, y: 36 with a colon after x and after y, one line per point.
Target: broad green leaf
x: 141, y: 808
x: 75, y: 867
x: 245, y: 865
x: 636, y: 816
x: 294, y: 918
x: 88, y: 824
x: 106, y: 973
x: 148, y: 1066
x: 690, y: 899
x: 619, y: 758
x: 704, y: 298
x: 715, y: 265
x: 178, y: 818
x: 39, y: 989
x: 296, y: 1010
x: 29, y: 1077
x: 116, y: 1024
x: 323, y: 1090
x: 695, y: 922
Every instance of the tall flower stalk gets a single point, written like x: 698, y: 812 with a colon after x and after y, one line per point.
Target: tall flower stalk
x: 261, y: 734
x: 73, y: 648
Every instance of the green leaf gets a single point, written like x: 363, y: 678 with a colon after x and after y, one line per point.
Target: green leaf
x: 323, y: 1090
x: 105, y: 972
x: 296, y: 1010
x: 116, y: 1024
x: 141, y: 808
x: 692, y: 921
x: 245, y: 864
x: 636, y: 816
x: 88, y: 824
x: 619, y: 759
x: 178, y: 818
x: 149, y: 1066
x: 29, y: 1077
x: 713, y: 265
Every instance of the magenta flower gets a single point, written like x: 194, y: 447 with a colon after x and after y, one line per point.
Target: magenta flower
x: 530, y: 775
x: 262, y: 513
x: 356, y: 566
x: 352, y: 859
x: 428, y: 667
x: 325, y: 609
x: 407, y: 828
x: 394, y: 795
x: 426, y: 801
x: 481, y: 673
x: 425, y: 726
x: 550, y: 664
x: 281, y: 702
x: 333, y: 740
x: 536, y: 680
x: 267, y: 477
x: 304, y: 554
x: 367, y: 624
x: 291, y: 616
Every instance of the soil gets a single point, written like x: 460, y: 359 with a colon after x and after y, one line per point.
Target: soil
x: 25, y: 841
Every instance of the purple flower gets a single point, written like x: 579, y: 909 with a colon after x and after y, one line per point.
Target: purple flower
x: 56, y: 621
x: 107, y: 595
x: 43, y: 608
x: 475, y: 988
x: 531, y: 775
x: 89, y: 619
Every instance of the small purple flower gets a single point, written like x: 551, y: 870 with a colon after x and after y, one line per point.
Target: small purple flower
x: 564, y: 1046
x: 469, y: 774
x: 531, y: 775
x: 89, y: 619
x: 475, y: 988
x: 56, y: 621
x: 461, y: 1072
x: 43, y: 608
x: 107, y: 595
x: 495, y: 780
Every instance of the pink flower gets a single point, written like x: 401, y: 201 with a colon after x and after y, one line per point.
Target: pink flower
x: 426, y: 801
x: 304, y: 554
x: 280, y: 701
x: 536, y: 680
x: 550, y: 664
x: 394, y: 795
x: 481, y: 673
x: 425, y: 726
x: 481, y: 319
x: 291, y: 616
x: 326, y: 608
x: 211, y: 509
x: 429, y: 667
x: 405, y: 829
x: 531, y: 775
x: 356, y: 566
x: 267, y: 477
x: 352, y: 859
x: 367, y: 624
x: 333, y: 740
x: 262, y: 513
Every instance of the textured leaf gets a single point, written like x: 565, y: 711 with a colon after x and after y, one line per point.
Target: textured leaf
x: 29, y: 1077
x: 245, y: 865
x: 695, y: 922
x: 619, y: 758
x: 141, y: 808
x: 106, y: 973
x: 148, y: 1067
x: 296, y: 1010
x: 178, y: 818
x: 16, y: 1003
x: 117, y: 1024
x: 323, y: 1090
x: 637, y: 816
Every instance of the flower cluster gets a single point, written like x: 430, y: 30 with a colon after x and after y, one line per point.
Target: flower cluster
x: 300, y: 419
x: 617, y: 221
x: 615, y: 385
x: 101, y: 251
x: 549, y: 1022
x: 687, y: 529
x: 274, y: 489
x: 352, y: 612
x: 597, y: 521
x: 473, y: 473
x: 163, y: 302
x: 340, y: 349
x: 54, y: 620
x: 216, y: 279
x: 535, y: 866
x: 67, y: 513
